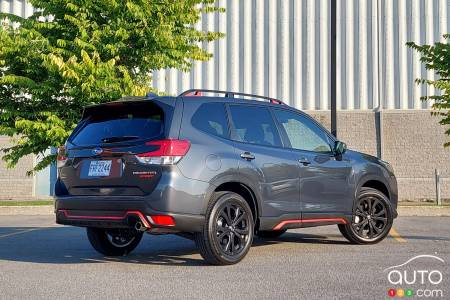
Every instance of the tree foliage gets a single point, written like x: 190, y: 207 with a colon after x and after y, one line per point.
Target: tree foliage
x: 437, y: 57
x: 73, y: 53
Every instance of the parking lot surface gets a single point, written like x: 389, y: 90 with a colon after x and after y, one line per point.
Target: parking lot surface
x: 42, y: 260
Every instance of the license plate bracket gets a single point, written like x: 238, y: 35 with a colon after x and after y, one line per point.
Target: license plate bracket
x: 99, y: 168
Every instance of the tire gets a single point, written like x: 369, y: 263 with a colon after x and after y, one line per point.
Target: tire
x: 103, y: 240
x: 227, y: 234
x: 372, y: 218
x: 270, y: 234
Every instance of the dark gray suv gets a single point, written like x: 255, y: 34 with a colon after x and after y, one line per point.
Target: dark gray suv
x: 217, y: 169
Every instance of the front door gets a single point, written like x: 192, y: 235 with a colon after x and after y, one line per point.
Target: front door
x: 325, y: 181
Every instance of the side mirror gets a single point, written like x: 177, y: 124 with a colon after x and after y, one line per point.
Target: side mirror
x: 339, y: 148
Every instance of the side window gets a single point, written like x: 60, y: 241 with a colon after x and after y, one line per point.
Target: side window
x: 211, y: 118
x: 254, y: 125
x: 303, y: 134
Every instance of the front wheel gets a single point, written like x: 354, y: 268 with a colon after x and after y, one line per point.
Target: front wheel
x: 228, y: 231
x: 114, y: 242
x: 372, y: 218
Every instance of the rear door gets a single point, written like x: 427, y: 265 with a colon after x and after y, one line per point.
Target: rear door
x: 325, y: 181
x: 101, y: 153
x: 263, y: 160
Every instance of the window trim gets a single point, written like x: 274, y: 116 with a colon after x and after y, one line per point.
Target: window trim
x: 330, y: 139
x: 233, y: 128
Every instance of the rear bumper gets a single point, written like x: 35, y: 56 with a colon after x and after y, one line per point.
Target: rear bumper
x: 119, y: 213
x: 182, y: 198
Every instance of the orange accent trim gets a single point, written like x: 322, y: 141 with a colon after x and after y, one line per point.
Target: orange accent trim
x: 282, y: 223
x: 127, y: 213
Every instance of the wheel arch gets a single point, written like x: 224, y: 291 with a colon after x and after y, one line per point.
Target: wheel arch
x: 380, y: 184
x: 237, y: 184
x: 377, y: 185
x: 374, y: 181
x: 244, y: 191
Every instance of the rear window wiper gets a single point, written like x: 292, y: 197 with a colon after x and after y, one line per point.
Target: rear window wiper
x: 116, y: 139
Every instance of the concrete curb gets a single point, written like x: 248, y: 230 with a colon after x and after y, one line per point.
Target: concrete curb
x: 424, y: 211
x: 403, y: 211
x: 26, y: 210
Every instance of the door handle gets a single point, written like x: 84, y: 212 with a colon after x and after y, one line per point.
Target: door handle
x: 247, y: 155
x: 304, y: 161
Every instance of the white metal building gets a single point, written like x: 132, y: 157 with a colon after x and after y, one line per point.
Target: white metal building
x: 281, y: 49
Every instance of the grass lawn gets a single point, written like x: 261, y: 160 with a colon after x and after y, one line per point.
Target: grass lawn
x: 25, y: 203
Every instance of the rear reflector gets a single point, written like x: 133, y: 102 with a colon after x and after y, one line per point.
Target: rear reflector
x: 162, y: 220
x: 168, y: 152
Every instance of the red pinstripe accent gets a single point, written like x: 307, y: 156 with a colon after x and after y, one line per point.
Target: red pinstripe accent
x: 281, y: 224
x: 127, y: 213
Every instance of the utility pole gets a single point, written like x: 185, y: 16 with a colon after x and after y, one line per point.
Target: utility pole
x: 333, y: 76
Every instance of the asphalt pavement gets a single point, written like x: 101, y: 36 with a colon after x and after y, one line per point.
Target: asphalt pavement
x: 42, y: 260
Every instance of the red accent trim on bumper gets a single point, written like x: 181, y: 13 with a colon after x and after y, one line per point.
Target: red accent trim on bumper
x: 127, y: 213
x: 281, y: 224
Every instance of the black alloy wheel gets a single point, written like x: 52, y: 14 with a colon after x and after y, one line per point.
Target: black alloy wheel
x: 228, y: 232
x: 232, y: 229
x: 372, y: 218
x: 121, y: 238
x: 114, y: 242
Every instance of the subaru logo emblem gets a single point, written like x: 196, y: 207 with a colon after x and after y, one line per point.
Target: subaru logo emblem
x: 97, y: 151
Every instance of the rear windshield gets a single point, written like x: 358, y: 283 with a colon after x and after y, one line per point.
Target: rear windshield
x: 120, y: 122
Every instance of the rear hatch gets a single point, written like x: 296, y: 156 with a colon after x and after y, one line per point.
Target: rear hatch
x: 117, y: 149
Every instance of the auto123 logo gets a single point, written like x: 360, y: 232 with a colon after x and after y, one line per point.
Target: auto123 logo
x: 415, y: 278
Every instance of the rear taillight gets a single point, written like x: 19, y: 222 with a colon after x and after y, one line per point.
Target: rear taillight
x: 61, y: 157
x: 169, y: 152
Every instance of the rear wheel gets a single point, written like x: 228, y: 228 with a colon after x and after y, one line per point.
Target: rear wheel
x: 114, y: 242
x: 372, y: 218
x: 270, y: 234
x: 228, y: 231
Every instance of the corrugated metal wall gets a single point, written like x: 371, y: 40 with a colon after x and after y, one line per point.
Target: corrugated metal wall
x: 280, y: 48
x: 17, y: 7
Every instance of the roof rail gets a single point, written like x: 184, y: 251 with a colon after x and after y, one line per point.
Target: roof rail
x: 227, y: 94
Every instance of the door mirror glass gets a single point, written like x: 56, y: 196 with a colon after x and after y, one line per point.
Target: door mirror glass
x: 339, y: 148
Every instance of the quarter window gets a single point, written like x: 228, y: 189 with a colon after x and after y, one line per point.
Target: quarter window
x: 302, y: 132
x: 211, y: 118
x: 254, y: 125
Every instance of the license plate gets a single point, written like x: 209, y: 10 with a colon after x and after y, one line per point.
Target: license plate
x: 98, y: 168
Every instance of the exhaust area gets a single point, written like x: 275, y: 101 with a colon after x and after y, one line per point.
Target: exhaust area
x: 136, y: 223
x: 140, y: 227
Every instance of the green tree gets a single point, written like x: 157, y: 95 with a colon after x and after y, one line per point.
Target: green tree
x: 73, y: 53
x: 437, y: 57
